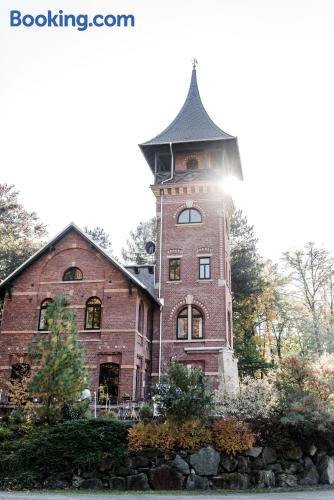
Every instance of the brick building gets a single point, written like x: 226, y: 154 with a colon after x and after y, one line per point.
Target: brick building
x: 133, y: 319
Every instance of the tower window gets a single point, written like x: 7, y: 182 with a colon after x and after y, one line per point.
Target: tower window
x: 140, y: 323
x: 192, y: 164
x: 93, y: 314
x: 72, y: 274
x: 189, y: 323
x: 174, y: 269
x: 189, y: 216
x: 205, y: 268
x: 42, y: 323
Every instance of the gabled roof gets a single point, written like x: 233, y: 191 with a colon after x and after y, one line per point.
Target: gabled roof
x: 46, y: 248
x: 192, y: 123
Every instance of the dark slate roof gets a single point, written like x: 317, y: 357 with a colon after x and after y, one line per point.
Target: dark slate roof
x: 192, y: 123
x: 7, y: 282
x: 145, y: 274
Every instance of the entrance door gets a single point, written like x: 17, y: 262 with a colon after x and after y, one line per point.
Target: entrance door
x: 108, y: 382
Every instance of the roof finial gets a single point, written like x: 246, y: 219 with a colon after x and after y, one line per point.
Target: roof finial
x: 194, y: 62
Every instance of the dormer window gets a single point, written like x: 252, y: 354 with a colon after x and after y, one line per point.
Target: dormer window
x: 189, y: 216
x: 72, y: 274
x: 192, y: 164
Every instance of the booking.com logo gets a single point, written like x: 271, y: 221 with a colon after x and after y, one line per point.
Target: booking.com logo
x: 80, y: 21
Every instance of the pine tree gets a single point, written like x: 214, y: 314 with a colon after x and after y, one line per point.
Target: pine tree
x: 62, y: 375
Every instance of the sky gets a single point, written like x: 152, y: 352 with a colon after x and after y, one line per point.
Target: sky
x: 74, y: 105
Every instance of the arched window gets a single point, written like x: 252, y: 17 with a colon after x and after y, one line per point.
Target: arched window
x: 189, y: 323
x: 42, y: 323
x: 72, y: 274
x: 192, y: 164
x: 108, y: 382
x: 189, y: 216
x: 140, y: 325
x: 93, y: 314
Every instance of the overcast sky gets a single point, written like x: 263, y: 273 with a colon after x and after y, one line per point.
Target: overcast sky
x: 74, y: 105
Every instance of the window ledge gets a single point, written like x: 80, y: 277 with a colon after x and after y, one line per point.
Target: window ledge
x: 174, y: 281
x: 90, y: 331
x: 190, y: 340
x: 205, y: 280
x: 190, y: 224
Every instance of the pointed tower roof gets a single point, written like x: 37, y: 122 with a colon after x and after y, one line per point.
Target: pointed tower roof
x: 192, y: 123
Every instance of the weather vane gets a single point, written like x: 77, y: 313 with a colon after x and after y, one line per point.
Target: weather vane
x: 194, y: 62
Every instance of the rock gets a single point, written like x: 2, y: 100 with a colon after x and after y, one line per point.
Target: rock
x: 312, y: 450
x: 197, y: 482
x: 254, y: 452
x: 265, y: 479
x: 293, y: 453
x: 284, y: 479
x: 117, y: 483
x: 269, y: 455
x: 139, y: 461
x: 229, y: 463
x: 231, y: 481
x: 180, y: 465
x: 277, y: 468
x: 77, y: 481
x: 55, y: 484
x: 165, y: 478
x: 243, y: 464
x: 91, y: 484
x: 105, y: 464
x: 205, y: 461
x: 293, y: 468
x: 126, y: 471
x: 309, y: 476
x: 326, y: 470
x: 137, y: 482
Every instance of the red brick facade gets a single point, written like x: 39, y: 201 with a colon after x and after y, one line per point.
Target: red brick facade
x: 118, y: 341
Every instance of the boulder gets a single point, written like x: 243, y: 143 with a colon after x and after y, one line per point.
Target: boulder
x: 180, y: 465
x: 312, y: 450
x: 205, y: 461
x: 117, y: 483
x: 294, y: 453
x: 91, y: 484
x: 231, y: 481
x: 197, y: 482
x: 254, y: 452
x: 326, y: 470
x: 77, y: 481
x: 137, y: 482
x: 126, y: 471
x: 277, y: 468
x: 309, y: 476
x: 243, y: 465
x: 165, y: 478
x: 265, y: 479
x: 229, y: 463
x: 139, y: 461
x: 269, y: 455
x: 285, y: 480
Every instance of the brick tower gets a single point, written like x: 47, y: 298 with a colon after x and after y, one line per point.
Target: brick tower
x: 190, y: 160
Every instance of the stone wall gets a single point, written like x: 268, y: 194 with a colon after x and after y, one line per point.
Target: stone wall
x: 204, y: 469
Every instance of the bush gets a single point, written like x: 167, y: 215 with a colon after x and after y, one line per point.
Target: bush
x: 166, y: 436
x: 255, y: 400
x: 5, y: 433
x: 182, y: 393
x: 232, y: 436
x: 146, y: 411
x: 63, y: 449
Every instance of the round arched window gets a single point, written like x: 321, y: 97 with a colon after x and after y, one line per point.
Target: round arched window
x: 189, y: 216
x: 72, y: 274
x: 93, y: 314
x: 189, y: 323
x: 42, y: 324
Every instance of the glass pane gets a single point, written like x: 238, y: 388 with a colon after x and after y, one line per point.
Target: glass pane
x: 195, y: 216
x: 174, y: 269
x: 184, y: 217
x: 96, y: 323
x: 182, y: 327
x: 197, y: 327
x: 94, y: 300
x: 72, y: 274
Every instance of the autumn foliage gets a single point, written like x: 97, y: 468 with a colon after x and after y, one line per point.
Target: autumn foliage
x: 232, y: 436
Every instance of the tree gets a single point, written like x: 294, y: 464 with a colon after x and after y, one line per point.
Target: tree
x: 248, y: 284
x: 100, y: 237
x: 135, y: 252
x: 183, y: 393
x: 312, y: 276
x: 21, y: 231
x: 62, y: 375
